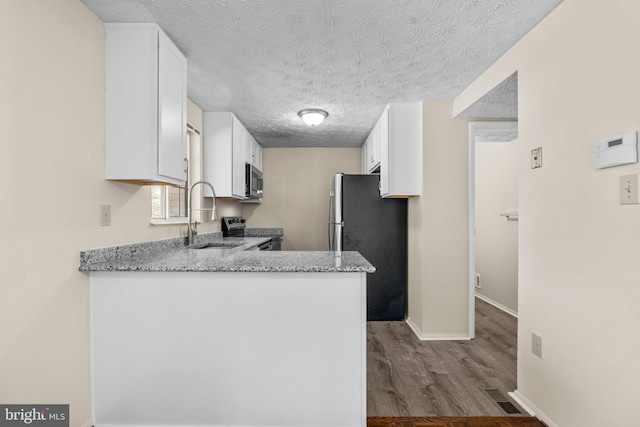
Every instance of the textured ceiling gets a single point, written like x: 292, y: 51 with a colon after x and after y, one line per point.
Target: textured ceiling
x: 501, y: 102
x: 265, y: 60
x: 496, y: 135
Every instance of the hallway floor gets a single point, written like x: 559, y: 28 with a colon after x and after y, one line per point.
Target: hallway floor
x: 455, y: 422
x: 407, y: 377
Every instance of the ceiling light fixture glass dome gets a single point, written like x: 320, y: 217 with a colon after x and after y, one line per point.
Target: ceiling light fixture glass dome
x: 313, y: 116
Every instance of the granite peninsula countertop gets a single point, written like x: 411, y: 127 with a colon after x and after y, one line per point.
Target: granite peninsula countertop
x: 171, y: 255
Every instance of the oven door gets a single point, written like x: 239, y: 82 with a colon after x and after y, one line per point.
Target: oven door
x: 266, y: 246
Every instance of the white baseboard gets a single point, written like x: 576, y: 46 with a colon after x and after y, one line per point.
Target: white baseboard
x: 497, y: 305
x: 531, y: 408
x: 435, y: 337
x: 414, y: 327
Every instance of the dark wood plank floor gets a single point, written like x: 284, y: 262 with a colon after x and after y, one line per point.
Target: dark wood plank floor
x: 456, y: 422
x: 407, y: 377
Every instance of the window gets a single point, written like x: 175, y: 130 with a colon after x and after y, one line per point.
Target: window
x: 168, y: 202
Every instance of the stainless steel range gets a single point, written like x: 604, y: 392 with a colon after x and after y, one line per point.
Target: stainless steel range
x: 234, y: 226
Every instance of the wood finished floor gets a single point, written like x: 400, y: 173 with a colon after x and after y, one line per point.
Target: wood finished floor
x: 407, y: 377
x: 456, y: 422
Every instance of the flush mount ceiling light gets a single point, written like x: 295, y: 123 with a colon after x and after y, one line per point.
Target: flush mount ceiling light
x: 313, y: 116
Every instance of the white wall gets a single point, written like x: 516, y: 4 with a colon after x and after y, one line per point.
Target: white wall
x: 52, y: 170
x: 496, y: 238
x: 578, y: 272
x: 297, y: 182
x: 438, y: 221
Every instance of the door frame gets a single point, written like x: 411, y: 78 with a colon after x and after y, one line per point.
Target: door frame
x: 476, y: 127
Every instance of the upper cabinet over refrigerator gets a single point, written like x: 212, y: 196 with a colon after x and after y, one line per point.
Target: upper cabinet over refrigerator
x: 394, y: 149
x: 146, y: 106
x: 401, y: 150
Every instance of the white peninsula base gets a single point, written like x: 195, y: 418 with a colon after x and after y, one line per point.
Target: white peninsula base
x: 228, y: 349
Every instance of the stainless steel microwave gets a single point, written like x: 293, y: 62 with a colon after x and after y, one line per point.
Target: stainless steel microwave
x: 253, y: 182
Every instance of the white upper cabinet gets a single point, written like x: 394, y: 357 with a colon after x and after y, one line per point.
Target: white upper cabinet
x: 227, y: 147
x: 253, y: 152
x: 258, y: 156
x: 395, y: 146
x: 146, y: 106
x: 374, y: 147
x: 364, y: 152
x: 370, y: 155
x: 238, y: 144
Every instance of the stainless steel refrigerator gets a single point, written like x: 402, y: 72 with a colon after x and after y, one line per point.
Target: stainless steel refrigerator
x: 360, y: 220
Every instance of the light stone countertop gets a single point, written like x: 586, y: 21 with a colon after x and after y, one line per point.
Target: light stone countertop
x: 171, y: 255
x: 263, y: 232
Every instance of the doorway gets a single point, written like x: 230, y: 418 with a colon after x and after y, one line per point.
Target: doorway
x: 493, y: 216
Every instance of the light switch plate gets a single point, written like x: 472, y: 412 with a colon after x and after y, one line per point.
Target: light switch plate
x: 629, y: 189
x: 105, y: 215
x: 536, y: 158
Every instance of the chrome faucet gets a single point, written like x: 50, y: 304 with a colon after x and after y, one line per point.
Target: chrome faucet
x: 191, y: 225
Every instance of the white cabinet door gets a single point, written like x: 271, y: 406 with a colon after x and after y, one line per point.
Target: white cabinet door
x: 239, y: 138
x: 248, y: 147
x: 401, y: 151
x: 253, y: 151
x: 383, y: 135
x: 365, y: 156
x: 366, y: 152
x: 371, y: 149
x: 258, y: 156
x: 172, y: 105
x: 375, y: 147
x: 146, y: 104
x: 217, y: 153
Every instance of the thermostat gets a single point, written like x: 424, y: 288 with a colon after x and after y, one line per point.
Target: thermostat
x: 616, y: 151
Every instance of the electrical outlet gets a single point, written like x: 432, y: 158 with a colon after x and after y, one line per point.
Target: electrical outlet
x: 536, y: 345
x: 536, y: 158
x: 478, y: 285
x: 629, y: 189
x: 105, y: 215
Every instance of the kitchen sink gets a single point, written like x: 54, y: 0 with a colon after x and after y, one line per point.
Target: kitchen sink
x: 222, y: 245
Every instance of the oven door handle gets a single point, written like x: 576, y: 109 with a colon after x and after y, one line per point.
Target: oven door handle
x: 266, y: 246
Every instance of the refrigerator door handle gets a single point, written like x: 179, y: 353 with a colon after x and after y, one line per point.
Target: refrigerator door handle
x: 334, y: 231
x: 330, y: 221
x: 336, y: 235
x: 335, y: 214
